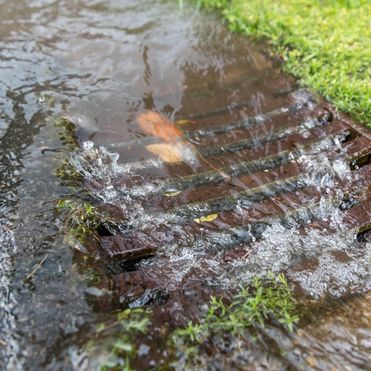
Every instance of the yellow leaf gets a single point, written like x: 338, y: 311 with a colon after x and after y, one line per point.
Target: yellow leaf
x: 207, y: 218
x: 184, y: 122
x: 172, y: 194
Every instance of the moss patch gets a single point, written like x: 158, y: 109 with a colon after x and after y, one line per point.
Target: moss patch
x: 67, y: 134
x: 68, y: 172
x: 82, y: 218
x: 325, y: 43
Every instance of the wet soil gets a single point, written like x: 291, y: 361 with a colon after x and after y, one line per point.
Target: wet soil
x: 267, y: 177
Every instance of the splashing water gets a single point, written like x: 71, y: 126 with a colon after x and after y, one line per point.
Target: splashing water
x: 282, y: 245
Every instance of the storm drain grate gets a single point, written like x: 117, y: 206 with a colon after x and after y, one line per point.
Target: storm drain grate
x: 214, y: 184
x: 260, y: 170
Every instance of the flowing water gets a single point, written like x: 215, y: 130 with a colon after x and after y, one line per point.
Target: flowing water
x: 265, y: 179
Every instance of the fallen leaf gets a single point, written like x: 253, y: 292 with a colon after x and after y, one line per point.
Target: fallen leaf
x: 207, y: 218
x: 172, y: 194
x: 311, y: 361
x: 167, y: 152
x: 152, y: 123
x: 184, y: 122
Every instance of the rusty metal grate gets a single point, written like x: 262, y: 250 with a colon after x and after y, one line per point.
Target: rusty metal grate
x: 342, y: 139
x: 249, y: 178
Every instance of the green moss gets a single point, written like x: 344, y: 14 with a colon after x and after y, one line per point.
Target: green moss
x: 82, y: 219
x: 265, y: 301
x: 67, y: 134
x: 325, y: 43
x: 69, y: 172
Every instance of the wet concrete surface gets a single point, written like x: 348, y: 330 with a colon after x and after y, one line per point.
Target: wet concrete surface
x: 249, y: 174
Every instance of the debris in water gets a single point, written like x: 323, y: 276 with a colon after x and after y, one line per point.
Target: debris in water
x: 30, y: 275
x: 175, y: 149
x: 206, y: 218
x: 152, y: 123
x: 170, y: 153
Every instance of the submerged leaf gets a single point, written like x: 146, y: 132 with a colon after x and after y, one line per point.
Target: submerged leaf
x: 152, y: 123
x: 206, y: 218
x: 169, y: 153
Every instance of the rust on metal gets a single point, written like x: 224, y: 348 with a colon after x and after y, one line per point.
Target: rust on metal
x: 217, y: 181
x: 263, y: 163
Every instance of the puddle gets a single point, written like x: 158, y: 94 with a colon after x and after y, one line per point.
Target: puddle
x: 256, y: 175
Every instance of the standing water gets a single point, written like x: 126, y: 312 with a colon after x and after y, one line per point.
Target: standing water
x: 248, y: 175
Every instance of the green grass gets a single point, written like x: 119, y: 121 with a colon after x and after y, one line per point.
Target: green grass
x: 326, y: 44
x: 133, y: 322
x: 116, y: 343
x: 267, y: 300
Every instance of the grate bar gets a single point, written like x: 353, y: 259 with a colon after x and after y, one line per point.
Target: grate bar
x: 220, y: 175
x: 116, y: 247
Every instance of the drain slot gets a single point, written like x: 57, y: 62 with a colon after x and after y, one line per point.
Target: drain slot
x: 360, y: 162
x: 364, y: 235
